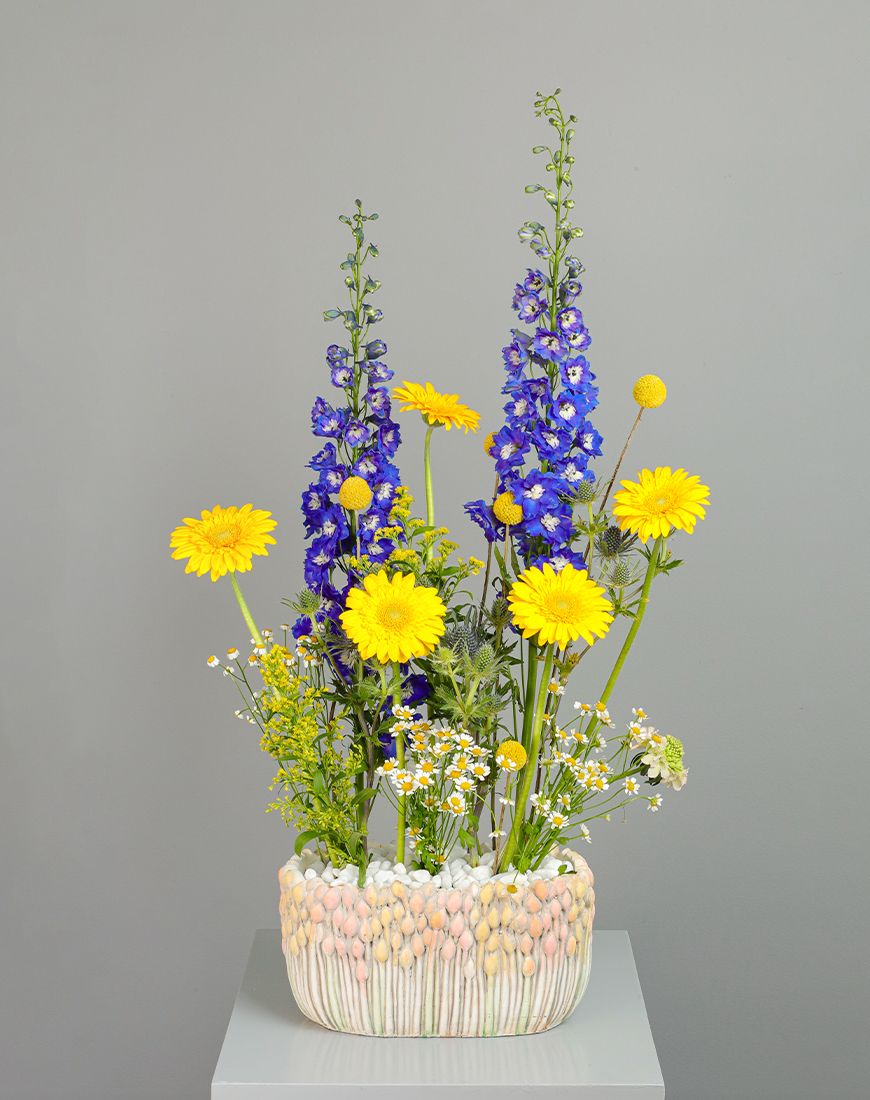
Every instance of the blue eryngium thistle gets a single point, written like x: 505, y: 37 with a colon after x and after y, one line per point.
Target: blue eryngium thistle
x: 543, y: 451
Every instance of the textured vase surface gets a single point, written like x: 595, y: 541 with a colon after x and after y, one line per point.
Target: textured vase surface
x: 493, y: 958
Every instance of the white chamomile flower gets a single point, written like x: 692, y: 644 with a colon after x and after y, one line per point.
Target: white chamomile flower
x: 654, y: 803
x: 557, y: 819
x: 465, y: 785
x: 387, y: 767
x: 463, y: 741
x: 631, y: 785
x: 454, y: 804
x: 505, y: 801
x: 584, y: 834
x: 404, y: 714
x: 565, y: 801
x: 285, y: 627
x: 227, y: 671
x: 404, y: 781
x: 584, y: 708
x: 479, y: 771
x: 266, y: 632
x: 232, y: 653
x: 555, y: 688
x: 496, y: 833
x: 639, y: 713
x: 603, y: 715
x: 213, y: 662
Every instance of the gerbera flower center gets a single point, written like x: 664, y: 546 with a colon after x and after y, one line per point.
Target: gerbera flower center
x: 562, y: 607
x: 393, y: 615
x: 225, y: 535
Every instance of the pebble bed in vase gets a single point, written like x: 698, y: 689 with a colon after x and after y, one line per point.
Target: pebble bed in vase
x: 461, y: 953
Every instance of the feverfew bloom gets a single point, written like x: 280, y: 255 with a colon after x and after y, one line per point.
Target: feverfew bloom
x: 454, y: 804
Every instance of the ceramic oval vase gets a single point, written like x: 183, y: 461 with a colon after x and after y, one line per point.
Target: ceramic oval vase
x: 489, y: 959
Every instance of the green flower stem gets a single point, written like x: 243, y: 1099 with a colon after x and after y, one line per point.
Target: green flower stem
x: 400, y: 760
x: 430, y: 497
x: 529, y: 702
x: 249, y: 619
x: 638, y: 618
x: 531, y: 765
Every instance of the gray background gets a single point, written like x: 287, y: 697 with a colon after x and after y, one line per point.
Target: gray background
x: 170, y: 183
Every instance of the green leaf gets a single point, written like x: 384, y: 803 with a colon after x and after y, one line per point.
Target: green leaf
x: 303, y: 839
x: 363, y: 796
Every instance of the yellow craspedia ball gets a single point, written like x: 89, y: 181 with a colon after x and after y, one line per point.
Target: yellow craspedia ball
x: 354, y: 494
x: 507, y: 510
x: 511, y: 756
x: 650, y: 391
x: 488, y: 442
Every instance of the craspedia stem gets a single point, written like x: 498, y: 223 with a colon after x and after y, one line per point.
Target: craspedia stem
x: 530, y: 769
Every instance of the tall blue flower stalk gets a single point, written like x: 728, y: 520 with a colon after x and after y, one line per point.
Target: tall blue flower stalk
x: 543, y: 450
x: 360, y: 440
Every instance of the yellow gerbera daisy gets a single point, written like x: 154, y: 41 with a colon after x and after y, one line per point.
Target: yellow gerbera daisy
x: 559, y: 607
x: 661, y: 499
x: 223, y: 540
x: 393, y: 619
x: 436, y: 408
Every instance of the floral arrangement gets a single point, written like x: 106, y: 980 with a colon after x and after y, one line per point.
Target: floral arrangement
x: 405, y: 674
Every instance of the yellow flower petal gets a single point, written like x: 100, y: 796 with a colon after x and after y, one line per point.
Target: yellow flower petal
x: 222, y: 540
x: 559, y: 607
x: 659, y: 501
x: 392, y: 618
x: 435, y: 407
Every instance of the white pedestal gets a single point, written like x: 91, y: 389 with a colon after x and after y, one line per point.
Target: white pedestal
x: 604, y: 1051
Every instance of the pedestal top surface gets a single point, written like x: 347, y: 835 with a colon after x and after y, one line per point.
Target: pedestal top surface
x: 604, y: 1051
